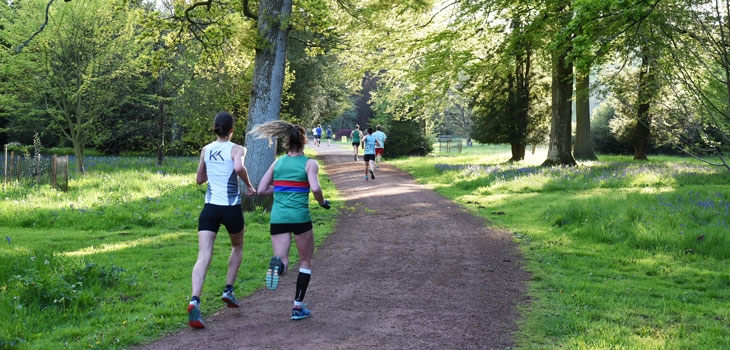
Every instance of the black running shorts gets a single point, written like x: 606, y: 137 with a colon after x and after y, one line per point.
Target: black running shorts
x: 212, y: 216
x: 296, y: 229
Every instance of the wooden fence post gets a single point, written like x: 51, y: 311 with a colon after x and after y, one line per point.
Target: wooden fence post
x: 5, y: 167
x: 10, y: 166
x: 65, y: 173
x: 53, y: 171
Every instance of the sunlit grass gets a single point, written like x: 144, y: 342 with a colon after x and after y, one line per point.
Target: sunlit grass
x: 623, y: 254
x: 107, y: 264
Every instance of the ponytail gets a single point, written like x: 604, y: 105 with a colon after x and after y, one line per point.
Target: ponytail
x: 293, y: 136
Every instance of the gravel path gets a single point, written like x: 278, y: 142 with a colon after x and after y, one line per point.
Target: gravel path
x: 405, y: 268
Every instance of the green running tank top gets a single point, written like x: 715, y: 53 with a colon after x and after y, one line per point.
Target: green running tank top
x: 291, y: 191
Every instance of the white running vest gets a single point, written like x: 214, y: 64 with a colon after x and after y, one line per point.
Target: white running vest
x: 222, y: 179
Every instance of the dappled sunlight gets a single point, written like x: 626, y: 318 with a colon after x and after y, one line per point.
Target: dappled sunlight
x: 105, y: 248
x: 382, y: 191
x: 656, y: 190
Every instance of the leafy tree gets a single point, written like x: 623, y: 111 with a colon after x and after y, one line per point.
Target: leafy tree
x: 604, y: 138
x: 699, y: 74
x: 87, y: 51
x: 506, y: 104
x: 318, y: 91
x: 75, y: 71
x: 406, y: 137
x: 202, y: 62
x: 16, y: 94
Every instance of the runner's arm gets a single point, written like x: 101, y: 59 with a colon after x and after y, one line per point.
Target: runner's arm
x: 202, y: 175
x: 238, y: 154
x: 266, y: 185
x: 312, y: 169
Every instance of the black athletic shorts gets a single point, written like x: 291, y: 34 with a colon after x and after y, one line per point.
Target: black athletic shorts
x: 296, y: 229
x: 368, y: 157
x: 212, y: 216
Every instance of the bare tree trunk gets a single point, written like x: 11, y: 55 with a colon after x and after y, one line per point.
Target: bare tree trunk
x: 646, y: 93
x: 268, y: 83
x: 79, y: 153
x: 519, y: 89
x: 518, y: 152
x: 560, y: 145
x: 161, y: 114
x: 583, y: 146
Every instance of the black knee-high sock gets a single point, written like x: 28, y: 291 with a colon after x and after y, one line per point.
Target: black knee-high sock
x: 302, y: 284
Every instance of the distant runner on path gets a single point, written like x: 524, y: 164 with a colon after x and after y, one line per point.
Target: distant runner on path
x: 355, y: 136
x: 318, y: 135
x: 380, y: 147
x: 369, y: 143
x: 329, y: 135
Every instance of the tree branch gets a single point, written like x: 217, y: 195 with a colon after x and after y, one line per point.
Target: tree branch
x: 247, y: 12
x: 437, y: 13
x: 192, y: 7
x: 21, y: 46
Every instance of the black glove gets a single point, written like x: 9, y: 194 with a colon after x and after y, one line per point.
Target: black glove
x: 326, y: 204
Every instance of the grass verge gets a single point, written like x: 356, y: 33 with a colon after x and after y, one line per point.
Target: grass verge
x: 623, y: 254
x: 107, y: 264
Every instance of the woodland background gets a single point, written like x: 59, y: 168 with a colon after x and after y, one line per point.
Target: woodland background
x: 582, y: 76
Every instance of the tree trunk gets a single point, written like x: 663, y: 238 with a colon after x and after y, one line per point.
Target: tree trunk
x: 519, y: 95
x: 583, y: 147
x: 79, y: 153
x: 161, y: 114
x: 268, y: 83
x: 646, y: 93
x: 518, y: 152
x: 519, y: 89
x: 560, y: 145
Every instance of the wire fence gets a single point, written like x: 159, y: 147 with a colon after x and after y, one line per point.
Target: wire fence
x: 447, y: 143
x: 27, y: 170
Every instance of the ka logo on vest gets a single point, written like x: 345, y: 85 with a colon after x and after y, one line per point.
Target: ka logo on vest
x: 216, y: 156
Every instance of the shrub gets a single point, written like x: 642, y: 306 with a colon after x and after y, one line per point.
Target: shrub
x: 604, y: 140
x: 406, y: 138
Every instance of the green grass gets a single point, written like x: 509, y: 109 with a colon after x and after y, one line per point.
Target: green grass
x: 107, y: 264
x: 623, y: 254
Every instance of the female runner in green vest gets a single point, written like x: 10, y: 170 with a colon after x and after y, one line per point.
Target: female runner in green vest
x: 355, y: 136
x: 289, y: 179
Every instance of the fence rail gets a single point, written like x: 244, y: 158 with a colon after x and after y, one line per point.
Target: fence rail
x: 26, y: 170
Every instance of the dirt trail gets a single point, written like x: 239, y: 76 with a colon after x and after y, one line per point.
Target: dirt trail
x: 405, y: 269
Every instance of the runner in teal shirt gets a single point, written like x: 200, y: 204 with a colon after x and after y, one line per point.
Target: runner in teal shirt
x: 290, y: 179
x: 368, y: 144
